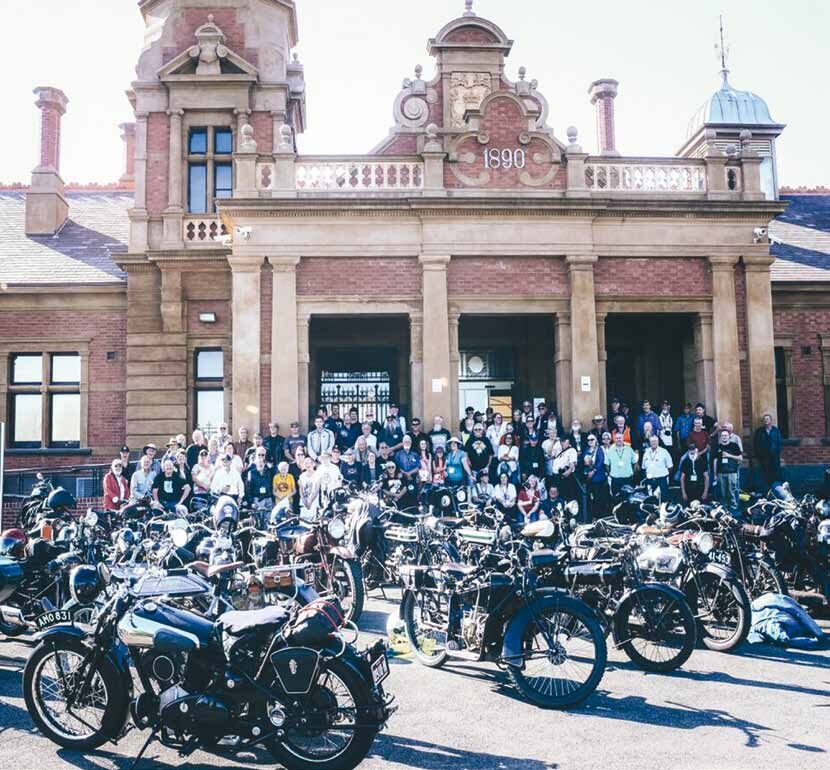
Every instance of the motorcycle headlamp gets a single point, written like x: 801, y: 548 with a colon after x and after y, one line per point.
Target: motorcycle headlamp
x: 446, y: 501
x: 704, y: 542
x: 461, y: 495
x: 91, y: 518
x: 572, y: 507
x: 664, y: 559
x: 824, y: 531
x: 337, y: 528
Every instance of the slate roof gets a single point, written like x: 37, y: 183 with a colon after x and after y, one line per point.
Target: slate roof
x: 801, y: 240
x: 79, y: 254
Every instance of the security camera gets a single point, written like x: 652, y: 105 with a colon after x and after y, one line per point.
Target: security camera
x: 759, y: 234
x: 244, y: 232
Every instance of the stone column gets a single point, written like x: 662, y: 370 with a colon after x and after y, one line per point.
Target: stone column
x: 285, y: 353
x: 585, y: 385
x: 602, y: 362
x: 455, y: 362
x: 245, y: 399
x: 416, y: 365
x: 128, y: 136
x: 172, y: 301
x: 303, y: 364
x: 437, y: 379
x: 727, y: 370
x: 705, y: 360
x: 760, y: 338
x: 138, y: 214
x: 172, y: 215
x: 241, y: 120
x: 562, y: 363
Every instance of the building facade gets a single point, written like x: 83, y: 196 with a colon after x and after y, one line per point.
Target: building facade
x: 473, y: 257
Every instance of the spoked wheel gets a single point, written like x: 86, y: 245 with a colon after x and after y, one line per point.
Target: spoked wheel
x: 346, y: 583
x: 52, y: 684
x: 656, y: 629
x: 564, y: 655
x: 723, y: 610
x: 422, y: 617
x: 331, y: 736
x: 764, y: 578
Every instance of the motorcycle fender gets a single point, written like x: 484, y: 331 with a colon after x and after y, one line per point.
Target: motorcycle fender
x: 511, y: 650
x: 119, y: 654
x: 671, y: 592
x: 342, y: 552
x: 721, y: 570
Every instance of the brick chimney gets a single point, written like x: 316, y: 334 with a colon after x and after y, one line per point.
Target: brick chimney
x: 603, y: 92
x: 128, y: 135
x: 46, y: 206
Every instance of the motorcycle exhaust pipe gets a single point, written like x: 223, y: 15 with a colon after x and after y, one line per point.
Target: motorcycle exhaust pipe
x: 12, y: 617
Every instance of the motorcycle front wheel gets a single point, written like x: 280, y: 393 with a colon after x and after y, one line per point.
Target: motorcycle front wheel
x: 421, y: 615
x: 346, y: 583
x: 333, y: 734
x: 723, y: 610
x: 764, y: 578
x: 52, y: 675
x: 655, y: 629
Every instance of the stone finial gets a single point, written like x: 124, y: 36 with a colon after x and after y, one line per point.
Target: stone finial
x: 522, y: 86
x: 296, y: 57
x: 522, y: 72
x: 745, y: 137
x: 433, y: 143
x: 418, y: 70
x: 247, y: 143
x: 573, y: 136
x: 286, y: 134
x: 468, y: 8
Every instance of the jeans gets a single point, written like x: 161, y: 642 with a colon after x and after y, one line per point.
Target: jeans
x: 618, y: 484
x: 661, y: 483
x: 728, y: 483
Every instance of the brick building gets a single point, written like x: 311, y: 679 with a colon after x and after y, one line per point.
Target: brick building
x: 472, y: 257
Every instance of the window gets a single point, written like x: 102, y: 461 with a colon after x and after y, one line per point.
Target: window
x: 210, y: 389
x: 209, y: 167
x: 45, y: 400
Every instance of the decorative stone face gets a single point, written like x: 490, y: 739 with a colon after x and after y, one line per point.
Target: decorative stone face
x: 467, y: 91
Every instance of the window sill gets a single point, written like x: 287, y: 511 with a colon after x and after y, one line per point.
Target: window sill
x: 52, y: 452
x: 791, y: 442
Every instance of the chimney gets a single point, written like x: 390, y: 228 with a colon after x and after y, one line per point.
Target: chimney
x: 46, y: 206
x: 128, y: 135
x: 603, y: 92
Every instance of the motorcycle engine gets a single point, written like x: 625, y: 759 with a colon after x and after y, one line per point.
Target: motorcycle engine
x: 472, y: 629
x: 203, y: 716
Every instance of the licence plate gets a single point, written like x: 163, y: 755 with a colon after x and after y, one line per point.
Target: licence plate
x: 380, y: 669
x: 310, y: 575
x: 53, y: 618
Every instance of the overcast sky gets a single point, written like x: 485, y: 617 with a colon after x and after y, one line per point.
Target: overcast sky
x: 357, y: 52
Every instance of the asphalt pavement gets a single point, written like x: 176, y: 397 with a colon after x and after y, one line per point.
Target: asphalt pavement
x: 760, y: 708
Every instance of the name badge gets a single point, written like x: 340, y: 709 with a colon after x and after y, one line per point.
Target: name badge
x: 724, y: 462
x: 262, y: 490
x: 693, y: 477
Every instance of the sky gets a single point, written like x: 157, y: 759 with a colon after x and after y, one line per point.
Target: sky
x: 357, y: 52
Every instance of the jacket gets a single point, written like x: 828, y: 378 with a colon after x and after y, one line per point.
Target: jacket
x: 116, y: 491
x: 767, y: 446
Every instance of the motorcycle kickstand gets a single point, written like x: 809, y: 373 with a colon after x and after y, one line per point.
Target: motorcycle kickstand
x: 150, y: 738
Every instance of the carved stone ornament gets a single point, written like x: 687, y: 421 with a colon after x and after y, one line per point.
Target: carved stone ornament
x: 467, y: 91
x: 209, y: 49
x: 412, y: 103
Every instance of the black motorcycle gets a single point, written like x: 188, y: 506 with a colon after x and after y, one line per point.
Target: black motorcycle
x: 288, y: 682
x: 550, y: 643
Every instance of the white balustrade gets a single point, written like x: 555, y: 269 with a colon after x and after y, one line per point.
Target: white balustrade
x: 645, y: 176
x: 202, y: 229
x: 359, y: 175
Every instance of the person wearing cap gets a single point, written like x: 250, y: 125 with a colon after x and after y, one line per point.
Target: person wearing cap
x: 564, y: 467
x: 169, y: 489
x: 259, y: 484
x: 172, y: 448
x: 391, y: 433
x: 384, y: 454
x: 236, y: 460
x: 128, y: 468
x: 531, y: 457
x: 479, y: 450
x: 394, y: 411
x: 482, y: 491
x: 151, y: 450
x: 458, y: 465
x: 274, y: 444
x: 227, y: 479
x: 616, y: 409
x: 393, y: 487
x: 222, y: 434
x: 597, y: 427
x: 350, y: 469
x: 469, y: 413
x: 416, y: 433
x: 293, y: 440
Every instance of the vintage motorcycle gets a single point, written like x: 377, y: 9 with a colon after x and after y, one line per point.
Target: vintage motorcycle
x: 288, y: 682
x: 550, y: 643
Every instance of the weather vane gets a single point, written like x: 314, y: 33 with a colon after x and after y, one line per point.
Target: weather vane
x: 723, y: 53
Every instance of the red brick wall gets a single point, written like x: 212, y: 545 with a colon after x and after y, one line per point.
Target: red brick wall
x: 106, y: 408
x: 740, y: 306
x: 11, y: 509
x: 628, y: 276
x: 403, y: 144
x: 266, y: 315
x: 471, y: 35
x: 158, y: 150
x: 227, y: 19
x: 522, y: 276
x: 359, y: 277
x: 263, y: 125
x: 503, y: 123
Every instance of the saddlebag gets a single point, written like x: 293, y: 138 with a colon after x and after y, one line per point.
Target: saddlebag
x: 314, y: 623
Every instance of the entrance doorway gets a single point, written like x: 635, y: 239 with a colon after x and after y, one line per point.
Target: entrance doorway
x: 360, y: 362
x: 651, y: 356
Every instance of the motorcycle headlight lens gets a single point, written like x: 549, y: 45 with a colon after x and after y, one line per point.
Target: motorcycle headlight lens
x: 337, y: 528
x: 824, y: 531
x: 227, y: 510
x: 446, y: 501
x: 461, y: 495
x: 704, y: 542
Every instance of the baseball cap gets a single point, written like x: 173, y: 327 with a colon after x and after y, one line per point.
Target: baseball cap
x: 125, y: 448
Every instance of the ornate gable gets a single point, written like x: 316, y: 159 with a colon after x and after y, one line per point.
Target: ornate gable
x: 208, y: 59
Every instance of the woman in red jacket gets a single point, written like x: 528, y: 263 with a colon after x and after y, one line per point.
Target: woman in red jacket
x: 116, y: 488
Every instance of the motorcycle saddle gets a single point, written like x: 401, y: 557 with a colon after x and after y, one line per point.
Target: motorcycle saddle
x: 239, y: 622
x: 208, y: 571
x: 458, y: 570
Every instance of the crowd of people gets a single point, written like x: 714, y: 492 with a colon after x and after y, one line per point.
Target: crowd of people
x: 526, y: 464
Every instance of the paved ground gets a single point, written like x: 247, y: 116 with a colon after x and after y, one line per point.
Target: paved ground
x: 763, y: 708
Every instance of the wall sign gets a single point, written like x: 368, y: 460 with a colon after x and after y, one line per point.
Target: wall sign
x: 586, y: 384
x: 504, y: 158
